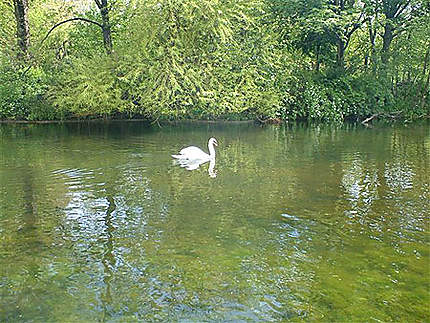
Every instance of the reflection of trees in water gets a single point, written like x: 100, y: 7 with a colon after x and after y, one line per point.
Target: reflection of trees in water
x: 29, y: 214
x: 27, y: 265
x: 106, y: 222
x: 253, y: 270
x: 367, y: 196
x: 360, y: 182
x: 407, y: 180
x: 380, y: 187
x: 281, y: 273
x: 152, y: 243
x: 108, y: 258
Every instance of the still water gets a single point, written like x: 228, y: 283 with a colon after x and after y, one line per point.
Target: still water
x: 294, y: 223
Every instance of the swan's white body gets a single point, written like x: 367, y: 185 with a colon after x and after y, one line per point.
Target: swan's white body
x: 197, y: 155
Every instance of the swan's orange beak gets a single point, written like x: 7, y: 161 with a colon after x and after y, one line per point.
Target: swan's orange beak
x: 215, y: 143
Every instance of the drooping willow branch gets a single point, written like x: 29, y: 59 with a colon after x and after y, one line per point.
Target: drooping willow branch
x: 59, y: 24
x: 69, y: 20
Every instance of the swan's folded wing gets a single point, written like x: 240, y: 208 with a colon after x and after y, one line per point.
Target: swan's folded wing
x: 179, y: 156
x: 192, y: 150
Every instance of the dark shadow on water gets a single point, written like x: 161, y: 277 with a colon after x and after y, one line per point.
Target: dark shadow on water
x: 108, y: 259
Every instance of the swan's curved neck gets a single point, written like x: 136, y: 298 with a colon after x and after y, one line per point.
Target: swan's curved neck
x: 211, y: 150
x: 211, y: 168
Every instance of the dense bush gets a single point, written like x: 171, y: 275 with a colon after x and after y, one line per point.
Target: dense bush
x: 23, y: 95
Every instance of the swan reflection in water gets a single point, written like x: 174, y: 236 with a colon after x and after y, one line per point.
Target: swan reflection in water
x: 192, y: 165
x: 192, y: 157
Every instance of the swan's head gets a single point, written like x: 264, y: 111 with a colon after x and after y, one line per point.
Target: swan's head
x: 213, y: 141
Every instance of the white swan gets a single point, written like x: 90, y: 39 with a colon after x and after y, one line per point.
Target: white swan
x: 193, y: 153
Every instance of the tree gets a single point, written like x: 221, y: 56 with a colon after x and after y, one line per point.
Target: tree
x: 209, y: 59
x: 22, y: 27
x: 372, y: 22
x: 319, y: 26
x: 106, y: 27
x: 350, y: 16
x: 398, y: 16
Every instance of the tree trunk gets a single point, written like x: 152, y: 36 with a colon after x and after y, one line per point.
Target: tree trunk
x: 107, y: 38
x: 317, y: 62
x: 426, y: 82
x: 340, y: 57
x: 425, y: 93
x: 22, y: 27
x: 387, y: 39
x: 372, y: 36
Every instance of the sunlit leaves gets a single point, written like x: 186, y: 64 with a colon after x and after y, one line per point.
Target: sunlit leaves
x: 196, y: 57
x: 90, y: 90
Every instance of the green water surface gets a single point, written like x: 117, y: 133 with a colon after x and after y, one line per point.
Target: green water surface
x: 300, y: 223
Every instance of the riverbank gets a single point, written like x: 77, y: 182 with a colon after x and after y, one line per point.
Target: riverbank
x: 363, y: 120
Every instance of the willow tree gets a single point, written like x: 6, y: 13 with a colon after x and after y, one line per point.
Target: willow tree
x: 193, y: 58
x: 104, y: 25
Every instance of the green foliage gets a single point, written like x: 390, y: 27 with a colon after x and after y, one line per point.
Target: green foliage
x: 318, y: 97
x: 22, y: 95
x: 312, y: 100
x: 88, y: 88
x: 218, y: 59
x: 196, y: 59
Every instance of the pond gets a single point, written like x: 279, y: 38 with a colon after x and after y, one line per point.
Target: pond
x: 294, y: 223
